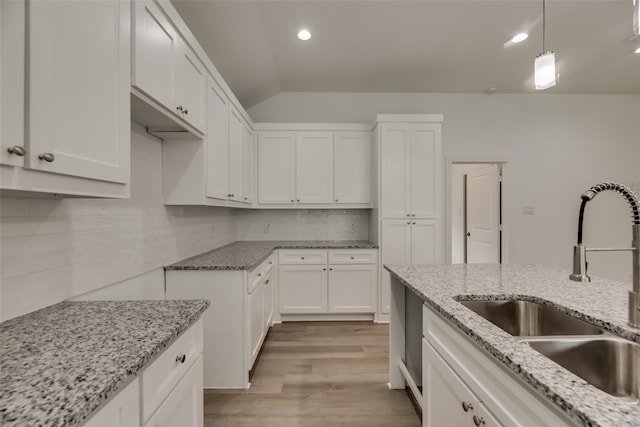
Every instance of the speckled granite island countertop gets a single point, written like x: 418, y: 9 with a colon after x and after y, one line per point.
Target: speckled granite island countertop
x: 61, y: 363
x: 248, y: 255
x: 600, y: 302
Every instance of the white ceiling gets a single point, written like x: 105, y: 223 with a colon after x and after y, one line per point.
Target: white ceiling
x: 414, y: 46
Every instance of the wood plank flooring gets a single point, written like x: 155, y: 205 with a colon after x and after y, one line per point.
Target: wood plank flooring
x: 316, y: 374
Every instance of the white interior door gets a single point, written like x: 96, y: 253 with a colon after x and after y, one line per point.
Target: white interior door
x: 483, y: 216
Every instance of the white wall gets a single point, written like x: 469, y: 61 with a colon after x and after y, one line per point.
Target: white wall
x: 303, y: 224
x: 52, y: 250
x: 557, y: 146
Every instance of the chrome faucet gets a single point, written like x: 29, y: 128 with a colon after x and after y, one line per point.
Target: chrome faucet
x: 580, y: 251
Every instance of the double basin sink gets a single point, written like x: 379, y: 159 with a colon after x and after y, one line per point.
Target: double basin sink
x: 605, y: 361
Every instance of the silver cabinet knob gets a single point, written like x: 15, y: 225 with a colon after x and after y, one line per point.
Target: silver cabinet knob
x: 408, y: 222
x: 408, y: 215
x: 292, y: 200
x: 331, y: 269
x: 301, y: 257
x: 246, y: 198
x: 353, y: 258
x: 468, y: 234
x: 259, y: 274
x: 478, y: 421
x: 336, y: 200
x: 181, y: 358
x: 179, y: 108
x: 266, y: 282
x: 467, y: 406
x: 298, y: 200
x: 48, y: 157
x: 186, y: 111
x: 414, y: 223
x: 413, y: 215
x: 324, y: 269
x: 17, y: 150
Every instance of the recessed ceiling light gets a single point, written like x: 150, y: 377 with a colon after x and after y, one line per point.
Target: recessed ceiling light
x: 304, y: 35
x: 519, y: 37
x: 638, y: 50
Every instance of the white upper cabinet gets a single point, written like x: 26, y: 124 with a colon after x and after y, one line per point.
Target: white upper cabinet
x: 164, y: 66
x: 314, y: 167
x: 12, y: 52
x: 352, y: 167
x: 410, y: 170
x: 75, y: 132
x: 276, y: 167
x: 190, y: 84
x: 72, y: 46
x: 235, y: 154
x: 154, y: 54
x: 247, y: 163
x: 324, y: 168
x: 217, y: 142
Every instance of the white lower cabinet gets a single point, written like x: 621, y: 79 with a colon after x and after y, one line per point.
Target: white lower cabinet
x: 237, y: 321
x: 122, y: 411
x: 167, y: 393
x: 450, y: 401
x: 303, y: 289
x: 184, y: 406
x: 464, y: 386
x: 314, y: 281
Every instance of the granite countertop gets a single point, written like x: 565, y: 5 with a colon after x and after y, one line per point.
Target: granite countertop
x: 62, y: 362
x: 248, y: 255
x: 601, y: 302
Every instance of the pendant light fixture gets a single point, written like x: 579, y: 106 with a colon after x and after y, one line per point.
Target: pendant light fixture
x: 544, y: 67
x: 636, y: 17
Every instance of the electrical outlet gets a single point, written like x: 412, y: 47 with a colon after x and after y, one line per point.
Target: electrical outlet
x: 266, y: 227
x: 354, y: 227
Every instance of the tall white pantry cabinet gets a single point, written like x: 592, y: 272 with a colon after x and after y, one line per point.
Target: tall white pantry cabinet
x: 408, y: 212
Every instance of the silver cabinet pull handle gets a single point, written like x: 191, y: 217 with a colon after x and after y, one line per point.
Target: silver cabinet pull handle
x: 467, y: 406
x: 413, y: 214
x: 478, y: 421
x: 181, y: 358
x: 266, y: 282
x: 179, y: 108
x: 259, y: 274
x: 17, y: 150
x: 47, y: 157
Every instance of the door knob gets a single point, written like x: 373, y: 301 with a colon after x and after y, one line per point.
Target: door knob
x: 468, y: 234
x: 47, y: 157
x: 19, y: 151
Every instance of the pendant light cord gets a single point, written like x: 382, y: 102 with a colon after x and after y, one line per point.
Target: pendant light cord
x: 544, y: 20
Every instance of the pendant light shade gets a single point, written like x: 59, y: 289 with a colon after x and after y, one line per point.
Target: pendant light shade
x: 544, y: 67
x: 544, y: 71
x: 636, y: 17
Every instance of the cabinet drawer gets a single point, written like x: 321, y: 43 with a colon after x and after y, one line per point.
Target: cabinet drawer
x: 166, y: 371
x: 353, y: 256
x: 305, y: 256
x: 260, y: 272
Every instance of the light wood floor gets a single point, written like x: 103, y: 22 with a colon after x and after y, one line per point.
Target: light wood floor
x: 317, y: 374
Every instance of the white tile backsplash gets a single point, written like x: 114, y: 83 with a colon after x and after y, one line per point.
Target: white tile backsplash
x: 55, y: 249
x: 303, y: 224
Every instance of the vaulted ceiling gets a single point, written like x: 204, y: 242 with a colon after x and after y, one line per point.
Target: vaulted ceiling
x: 449, y: 46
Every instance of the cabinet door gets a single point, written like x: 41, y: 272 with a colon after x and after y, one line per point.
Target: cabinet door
x: 256, y: 321
x: 79, y: 84
x: 217, y: 142
x: 394, y: 174
x: 12, y: 51
x: 276, y: 163
x: 302, y: 289
x: 247, y: 163
x: 352, y: 167
x: 154, y: 53
x: 447, y: 399
x: 314, y: 167
x: 395, y: 249
x: 424, y: 165
x: 189, y: 86
x: 235, y: 154
x: 268, y: 300
x: 425, y: 242
x: 121, y: 411
x: 352, y: 288
x: 184, y: 406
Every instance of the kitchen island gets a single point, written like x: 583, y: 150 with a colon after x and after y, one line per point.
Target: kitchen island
x: 60, y: 365
x: 601, y: 302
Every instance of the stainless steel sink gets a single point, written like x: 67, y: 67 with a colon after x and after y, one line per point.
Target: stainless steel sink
x: 525, y: 318
x: 611, y: 364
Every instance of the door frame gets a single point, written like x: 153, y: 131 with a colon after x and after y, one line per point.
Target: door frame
x: 505, y: 163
